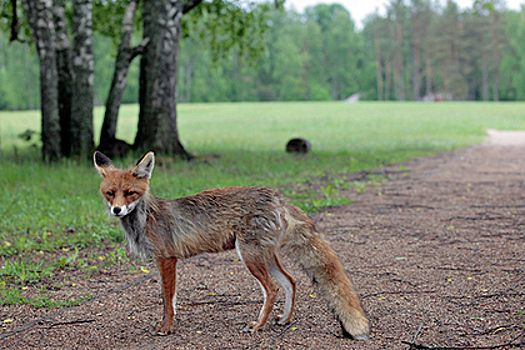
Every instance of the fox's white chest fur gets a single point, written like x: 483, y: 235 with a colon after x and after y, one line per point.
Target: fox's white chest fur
x: 134, y: 227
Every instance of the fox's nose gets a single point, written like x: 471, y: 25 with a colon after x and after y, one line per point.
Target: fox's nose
x: 116, y: 210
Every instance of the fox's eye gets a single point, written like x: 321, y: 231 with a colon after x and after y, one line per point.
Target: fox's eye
x: 110, y: 193
x: 130, y: 193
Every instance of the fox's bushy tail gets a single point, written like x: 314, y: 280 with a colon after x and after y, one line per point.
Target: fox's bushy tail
x: 324, y: 266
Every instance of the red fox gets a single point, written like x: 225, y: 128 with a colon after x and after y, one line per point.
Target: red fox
x: 255, y: 221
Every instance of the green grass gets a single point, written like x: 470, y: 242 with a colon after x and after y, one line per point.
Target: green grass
x: 24, y: 271
x: 12, y: 296
x: 49, y: 207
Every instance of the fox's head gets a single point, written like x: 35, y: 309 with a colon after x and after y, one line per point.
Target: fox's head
x: 123, y: 189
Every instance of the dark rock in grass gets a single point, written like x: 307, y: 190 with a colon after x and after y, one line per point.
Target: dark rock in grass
x: 298, y: 145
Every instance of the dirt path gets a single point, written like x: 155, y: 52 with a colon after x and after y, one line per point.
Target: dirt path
x: 437, y: 254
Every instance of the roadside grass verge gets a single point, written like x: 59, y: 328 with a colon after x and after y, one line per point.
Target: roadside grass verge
x: 45, y: 209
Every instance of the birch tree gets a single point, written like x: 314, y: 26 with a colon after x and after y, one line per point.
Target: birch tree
x: 82, y: 144
x: 40, y: 18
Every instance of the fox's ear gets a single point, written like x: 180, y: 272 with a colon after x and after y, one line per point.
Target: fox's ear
x: 102, y: 163
x: 144, y: 166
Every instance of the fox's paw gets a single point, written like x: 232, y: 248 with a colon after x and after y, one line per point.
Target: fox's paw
x: 247, y: 329
x: 253, y: 327
x: 283, y: 321
x: 160, y: 331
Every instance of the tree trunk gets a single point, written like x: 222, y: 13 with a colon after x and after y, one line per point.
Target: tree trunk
x: 40, y: 18
x: 388, y: 80
x: 399, y: 76
x: 65, y: 75
x: 417, y: 56
x: 428, y: 73
x: 157, y: 127
x: 108, y: 140
x: 379, y: 68
x: 484, y: 68
x: 83, y: 64
x: 495, y: 54
x: 428, y: 42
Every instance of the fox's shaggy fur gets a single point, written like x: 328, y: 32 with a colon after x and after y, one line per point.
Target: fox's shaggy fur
x: 256, y: 221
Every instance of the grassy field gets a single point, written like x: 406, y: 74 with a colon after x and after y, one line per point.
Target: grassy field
x: 46, y: 208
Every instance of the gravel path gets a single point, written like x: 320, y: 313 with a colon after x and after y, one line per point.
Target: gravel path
x: 437, y: 254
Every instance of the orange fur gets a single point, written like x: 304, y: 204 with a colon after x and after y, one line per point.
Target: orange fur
x: 256, y: 221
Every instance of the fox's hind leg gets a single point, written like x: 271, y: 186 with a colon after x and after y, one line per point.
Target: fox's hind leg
x: 257, y: 263
x: 288, y: 283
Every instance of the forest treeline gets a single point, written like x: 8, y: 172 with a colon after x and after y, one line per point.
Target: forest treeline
x: 414, y: 50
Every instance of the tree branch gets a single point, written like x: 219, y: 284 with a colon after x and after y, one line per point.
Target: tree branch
x: 139, y: 49
x: 418, y: 331
x: 14, y: 24
x: 70, y: 323
x: 285, y: 329
x: 190, y: 5
x: 466, y: 347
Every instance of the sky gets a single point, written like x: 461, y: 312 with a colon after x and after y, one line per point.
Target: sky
x: 359, y: 9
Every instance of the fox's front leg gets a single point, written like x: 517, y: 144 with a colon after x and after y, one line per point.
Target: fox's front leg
x: 168, y: 275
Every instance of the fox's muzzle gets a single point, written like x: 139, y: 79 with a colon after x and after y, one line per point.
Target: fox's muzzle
x: 122, y: 211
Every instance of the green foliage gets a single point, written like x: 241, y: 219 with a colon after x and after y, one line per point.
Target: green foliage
x: 237, y: 50
x: 107, y: 18
x: 513, y: 61
x: 319, y: 55
x: 18, y: 76
x: 226, y: 25
x: 105, y: 52
x: 303, y: 59
x: 6, y: 20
